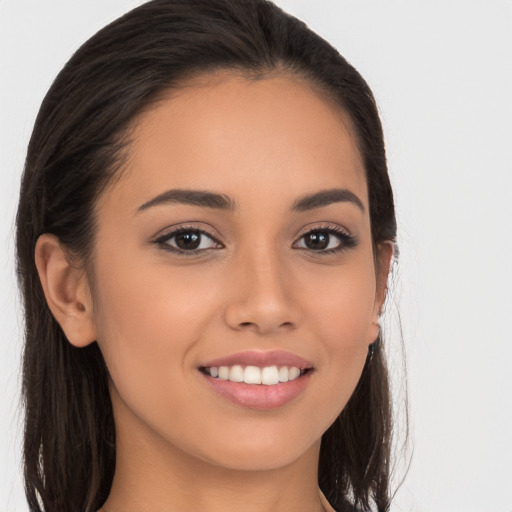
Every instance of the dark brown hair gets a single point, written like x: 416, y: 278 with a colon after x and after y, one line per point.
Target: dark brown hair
x: 76, y: 149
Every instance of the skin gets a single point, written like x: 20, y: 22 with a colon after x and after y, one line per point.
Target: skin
x: 157, y: 315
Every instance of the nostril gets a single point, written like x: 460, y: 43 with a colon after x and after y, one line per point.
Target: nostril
x: 260, y: 315
x: 246, y: 325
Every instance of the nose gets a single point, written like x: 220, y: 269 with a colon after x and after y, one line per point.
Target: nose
x: 261, y: 298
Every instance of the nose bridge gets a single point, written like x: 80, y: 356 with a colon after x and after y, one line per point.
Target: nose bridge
x: 266, y: 272
x: 262, y: 299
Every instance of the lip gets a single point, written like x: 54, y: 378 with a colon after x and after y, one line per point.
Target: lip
x: 261, y: 359
x: 259, y: 396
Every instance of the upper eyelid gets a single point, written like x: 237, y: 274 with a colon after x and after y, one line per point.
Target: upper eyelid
x: 169, y: 232
x: 331, y: 231
x: 163, y: 240
x: 326, y: 226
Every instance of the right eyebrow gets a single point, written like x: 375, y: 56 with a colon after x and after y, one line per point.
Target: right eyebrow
x: 191, y: 197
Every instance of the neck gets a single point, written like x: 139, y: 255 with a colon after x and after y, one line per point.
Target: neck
x: 154, y: 475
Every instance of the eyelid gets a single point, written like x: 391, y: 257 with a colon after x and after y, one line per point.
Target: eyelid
x: 162, y: 238
x: 347, y: 240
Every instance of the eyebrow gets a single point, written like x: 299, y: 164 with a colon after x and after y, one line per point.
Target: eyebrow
x: 224, y: 202
x: 192, y: 197
x: 325, y: 198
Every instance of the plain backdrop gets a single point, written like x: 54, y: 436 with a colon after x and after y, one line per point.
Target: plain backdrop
x: 441, y: 71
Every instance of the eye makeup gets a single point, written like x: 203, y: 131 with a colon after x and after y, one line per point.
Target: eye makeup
x: 321, y: 240
x: 326, y: 239
x: 188, y: 240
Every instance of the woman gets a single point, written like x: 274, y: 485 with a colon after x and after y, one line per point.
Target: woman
x: 204, y: 234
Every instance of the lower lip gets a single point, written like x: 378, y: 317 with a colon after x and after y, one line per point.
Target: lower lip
x: 259, y: 396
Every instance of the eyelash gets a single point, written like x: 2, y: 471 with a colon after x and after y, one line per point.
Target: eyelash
x: 163, y: 241
x: 346, y: 241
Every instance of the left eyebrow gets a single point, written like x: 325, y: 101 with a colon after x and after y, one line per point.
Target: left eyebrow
x: 325, y: 198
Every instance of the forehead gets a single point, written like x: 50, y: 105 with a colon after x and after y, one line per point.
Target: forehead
x: 234, y: 135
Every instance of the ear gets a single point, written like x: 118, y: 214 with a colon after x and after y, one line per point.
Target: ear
x: 66, y: 290
x: 383, y: 260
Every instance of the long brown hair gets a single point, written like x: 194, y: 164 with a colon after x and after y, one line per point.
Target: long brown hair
x: 76, y: 149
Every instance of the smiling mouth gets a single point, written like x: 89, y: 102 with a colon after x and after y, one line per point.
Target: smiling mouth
x: 257, y: 379
x: 266, y: 376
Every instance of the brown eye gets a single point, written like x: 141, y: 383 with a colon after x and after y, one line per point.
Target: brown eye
x: 186, y: 240
x: 317, y: 240
x: 325, y: 240
x: 189, y: 240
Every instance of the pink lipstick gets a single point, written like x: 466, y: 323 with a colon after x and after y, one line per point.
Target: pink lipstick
x: 258, y: 380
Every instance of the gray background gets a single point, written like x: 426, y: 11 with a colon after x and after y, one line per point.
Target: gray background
x: 442, y: 75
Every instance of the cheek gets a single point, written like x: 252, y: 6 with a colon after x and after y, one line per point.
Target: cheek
x: 148, y: 328
x: 342, y: 319
x: 147, y: 322
x: 343, y: 305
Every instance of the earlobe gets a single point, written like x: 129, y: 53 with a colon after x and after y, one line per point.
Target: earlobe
x: 66, y: 290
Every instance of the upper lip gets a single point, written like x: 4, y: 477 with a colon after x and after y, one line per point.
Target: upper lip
x: 260, y: 359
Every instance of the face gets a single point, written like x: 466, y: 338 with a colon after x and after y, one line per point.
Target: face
x: 236, y: 246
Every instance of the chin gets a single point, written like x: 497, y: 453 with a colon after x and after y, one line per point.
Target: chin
x: 262, y: 454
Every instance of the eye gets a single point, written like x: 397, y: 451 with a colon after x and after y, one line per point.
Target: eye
x: 326, y: 240
x: 187, y: 240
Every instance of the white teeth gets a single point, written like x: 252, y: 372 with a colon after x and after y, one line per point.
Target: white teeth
x: 236, y: 373
x: 269, y: 376
x: 293, y: 373
x: 252, y: 375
